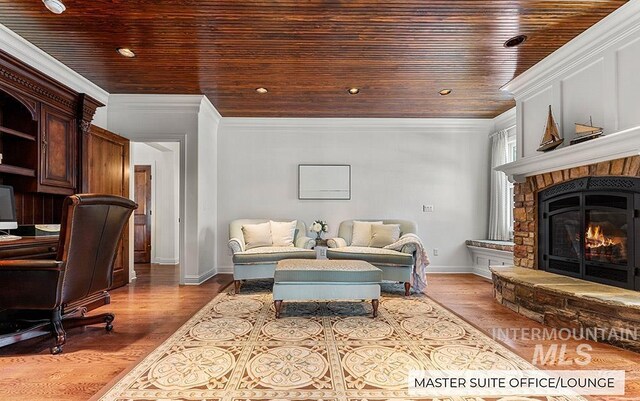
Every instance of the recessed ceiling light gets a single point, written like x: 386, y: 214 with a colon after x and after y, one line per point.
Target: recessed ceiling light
x: 55, y: 6
x: 262, y: 90
x: 353, y: 91
x: 515, y: 41
x: 126, y: 52
x: 445, y: 92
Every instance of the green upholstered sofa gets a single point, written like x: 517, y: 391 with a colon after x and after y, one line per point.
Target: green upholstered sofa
x: 395, y: 265
x: 260, y: 262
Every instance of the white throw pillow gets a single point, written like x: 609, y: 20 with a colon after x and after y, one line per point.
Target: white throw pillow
x: 282, y: 232
x: 361, y: 235
x: 384, y: 234
x: 256, y: 235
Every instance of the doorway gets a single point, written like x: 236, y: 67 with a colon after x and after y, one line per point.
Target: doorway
x: 157, y: 183
x: 142, y: 215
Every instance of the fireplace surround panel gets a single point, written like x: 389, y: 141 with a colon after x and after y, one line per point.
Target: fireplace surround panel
x: 589, y: 228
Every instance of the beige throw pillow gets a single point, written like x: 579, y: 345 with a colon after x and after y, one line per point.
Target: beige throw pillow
x: 361, y: 235
x: 384, y: 234
x: 256, y: 235
x: 282, y: 232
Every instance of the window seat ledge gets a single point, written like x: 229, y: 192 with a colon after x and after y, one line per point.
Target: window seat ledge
x: 506, y: 246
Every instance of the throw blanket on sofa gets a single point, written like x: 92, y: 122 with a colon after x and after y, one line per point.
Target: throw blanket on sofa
x: 419, y: 276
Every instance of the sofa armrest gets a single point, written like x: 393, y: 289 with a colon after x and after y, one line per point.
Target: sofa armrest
x: 336, y: 242
x: 409, y: 248
x: 305, y: 242
x: 236, y: 245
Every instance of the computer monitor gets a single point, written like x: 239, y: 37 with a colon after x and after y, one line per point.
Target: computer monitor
x: 8, y: 218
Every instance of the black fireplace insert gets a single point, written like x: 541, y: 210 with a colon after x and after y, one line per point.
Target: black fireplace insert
x: 589, y: 228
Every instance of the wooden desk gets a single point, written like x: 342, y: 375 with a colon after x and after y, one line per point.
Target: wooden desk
x: 30, y: 248
x: 47, y: 248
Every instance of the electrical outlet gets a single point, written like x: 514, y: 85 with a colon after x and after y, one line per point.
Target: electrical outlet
x: 427, y: 208
x: 435, y: 251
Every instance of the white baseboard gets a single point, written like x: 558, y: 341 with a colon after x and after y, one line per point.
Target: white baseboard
x: 430, y: 270
x: 197, y: 280
x: 449, y: 269
x: 166, y: 261
x: 482, y: 271
x: 225, y: 269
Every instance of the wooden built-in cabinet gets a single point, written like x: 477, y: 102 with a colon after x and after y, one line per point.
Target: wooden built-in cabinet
x: 105, y: 168
x: 50, y: 150
x: 58, y: 152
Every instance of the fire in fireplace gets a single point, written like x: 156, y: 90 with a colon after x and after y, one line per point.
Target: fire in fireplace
x: 589, y: 228
x: 601, y: 247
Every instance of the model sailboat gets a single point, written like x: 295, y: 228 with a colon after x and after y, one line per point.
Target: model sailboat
x: 586, y: 132
x: 551, y: 138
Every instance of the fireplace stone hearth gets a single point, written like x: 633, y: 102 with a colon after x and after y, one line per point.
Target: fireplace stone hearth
x: 569, y: 303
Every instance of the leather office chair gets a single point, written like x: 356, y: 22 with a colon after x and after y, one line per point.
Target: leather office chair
x: 90, y: 231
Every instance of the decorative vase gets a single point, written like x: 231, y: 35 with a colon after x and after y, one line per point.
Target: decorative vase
x: 318, y: 236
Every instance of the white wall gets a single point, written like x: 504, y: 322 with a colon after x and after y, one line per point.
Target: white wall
x: 191, y: 121
x: 208, y: 120
x: 505, y: 120
x: 398, y: 165
x: 164, y: 159
x: 595, y: 74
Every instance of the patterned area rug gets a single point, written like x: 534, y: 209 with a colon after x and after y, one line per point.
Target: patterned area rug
x: 235, y: 349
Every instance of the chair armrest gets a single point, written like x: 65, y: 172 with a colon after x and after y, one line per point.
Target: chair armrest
x: 305, y: 242
x: 30, y: 265
x: 31, y: 284
x: 236, y: 245
x: 336, y: 242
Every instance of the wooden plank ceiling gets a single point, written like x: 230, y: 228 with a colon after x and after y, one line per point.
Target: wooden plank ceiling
x: 308, y: 53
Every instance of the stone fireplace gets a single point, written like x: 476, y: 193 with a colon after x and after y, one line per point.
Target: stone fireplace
x: 576, y: 229
x: 594, y: 179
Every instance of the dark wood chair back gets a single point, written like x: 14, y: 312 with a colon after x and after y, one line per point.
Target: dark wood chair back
x: 89, y: 235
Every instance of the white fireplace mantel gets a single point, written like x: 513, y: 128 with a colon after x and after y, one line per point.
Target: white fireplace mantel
x: 610, y: 147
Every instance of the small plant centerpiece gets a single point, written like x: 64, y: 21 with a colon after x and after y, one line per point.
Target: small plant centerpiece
x: 319, y: 227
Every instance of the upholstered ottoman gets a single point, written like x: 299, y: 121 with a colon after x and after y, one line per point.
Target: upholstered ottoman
x: 326, y: 280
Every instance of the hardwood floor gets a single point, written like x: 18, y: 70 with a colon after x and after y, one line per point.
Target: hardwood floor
x: 154, y: 306
x: 147, y: 312
x: 471, y: 297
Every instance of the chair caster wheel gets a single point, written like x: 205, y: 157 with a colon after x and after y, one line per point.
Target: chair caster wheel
x: 56, y: 350
x: 109, y: 321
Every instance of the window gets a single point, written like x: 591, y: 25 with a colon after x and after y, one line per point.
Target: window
x: 503, y: 150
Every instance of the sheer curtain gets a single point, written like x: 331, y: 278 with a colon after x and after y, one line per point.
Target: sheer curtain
x: 500, y: 203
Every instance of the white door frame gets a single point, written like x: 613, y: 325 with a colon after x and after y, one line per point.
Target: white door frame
x: 181, y: 139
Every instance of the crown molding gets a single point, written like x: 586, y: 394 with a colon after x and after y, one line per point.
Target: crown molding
x: 209, y: 110
x: 612, y: 29
x: 609, y: 147
x: 27, y: 52
x: 162, y: 103
x: 445, y: 124
x: 505, y: 120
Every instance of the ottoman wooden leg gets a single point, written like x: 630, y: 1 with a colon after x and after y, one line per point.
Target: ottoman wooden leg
x: 278, y: 306
x: 236, y: 285
x: 375, y: 303
x: 407, y: 288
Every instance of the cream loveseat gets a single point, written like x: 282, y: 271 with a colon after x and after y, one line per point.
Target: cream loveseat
x: 395, y: 265
x: 258, y: 260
